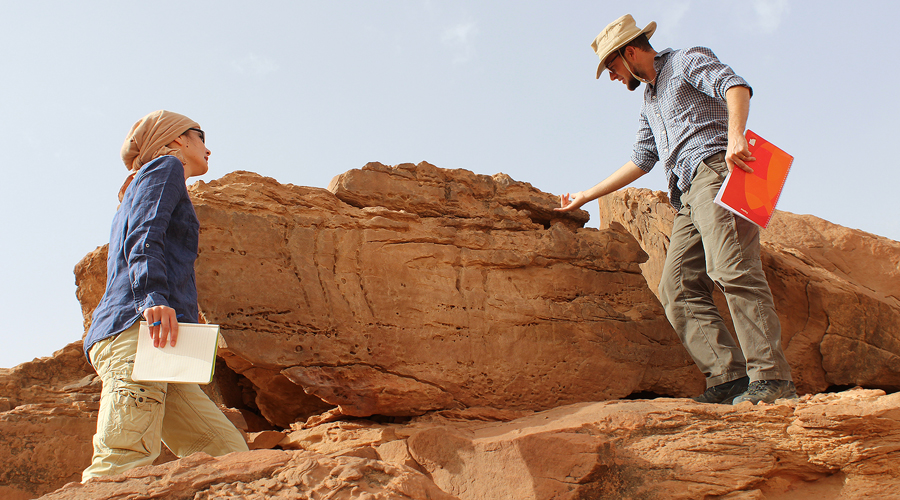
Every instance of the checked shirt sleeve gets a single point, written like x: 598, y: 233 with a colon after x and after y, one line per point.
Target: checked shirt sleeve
x: 644, y: 154
x: 703, y: 70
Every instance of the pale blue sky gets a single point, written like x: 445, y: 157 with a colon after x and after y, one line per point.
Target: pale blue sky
x: 302, y: 91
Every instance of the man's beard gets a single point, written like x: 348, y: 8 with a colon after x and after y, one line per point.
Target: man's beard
x: 633, y: 83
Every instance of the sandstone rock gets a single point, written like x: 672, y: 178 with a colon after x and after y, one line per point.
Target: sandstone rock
x: 380, y: 311
x: 338, y: 438
x: 264, y: 440
x: 262, y: 475
x: 429, y: 191
x: 47, y: 428
x: 843, y: 445
x: 44, y: 446
x: 46, y: 423
x: 828, y: 446
x: 836, y: 290
x: 388, y: 311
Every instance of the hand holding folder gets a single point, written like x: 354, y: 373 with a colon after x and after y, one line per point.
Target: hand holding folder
x: 191, y: 360
x: 753, y: 196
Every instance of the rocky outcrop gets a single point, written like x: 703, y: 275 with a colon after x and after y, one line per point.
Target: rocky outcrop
x: 262, y: 475
x: 48, y: 414
x: 827, y: 446
x: 843, y: 445
x: 415, y: 332
x: 400, y: 310
x: 836, y: 290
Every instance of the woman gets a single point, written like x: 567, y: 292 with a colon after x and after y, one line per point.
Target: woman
x: 150, y: 275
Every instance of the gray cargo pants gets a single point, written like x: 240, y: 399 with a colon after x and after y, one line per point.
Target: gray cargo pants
x: 711, y: 245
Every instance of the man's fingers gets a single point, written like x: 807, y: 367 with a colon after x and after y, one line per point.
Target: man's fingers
x: 743, y: 166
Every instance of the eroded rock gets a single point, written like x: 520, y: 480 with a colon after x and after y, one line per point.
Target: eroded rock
x: 402, y: 303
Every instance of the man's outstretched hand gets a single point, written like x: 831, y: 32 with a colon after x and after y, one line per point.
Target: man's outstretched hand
x: 569, y: 202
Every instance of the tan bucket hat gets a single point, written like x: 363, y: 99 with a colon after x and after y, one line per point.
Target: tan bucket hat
x: 617, y: 35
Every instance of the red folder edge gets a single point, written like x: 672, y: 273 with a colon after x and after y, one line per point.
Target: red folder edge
x: 754, y: 196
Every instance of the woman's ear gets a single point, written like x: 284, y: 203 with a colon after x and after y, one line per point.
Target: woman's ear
x: 178, y: 142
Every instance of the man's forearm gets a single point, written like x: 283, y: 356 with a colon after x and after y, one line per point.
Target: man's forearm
x: 737, y: 100
x: 622, y: 177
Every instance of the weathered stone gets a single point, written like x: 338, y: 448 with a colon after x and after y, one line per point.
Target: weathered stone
x: 264, y: 440
x: 46, y: 423
x: 492, y: 310
x: 429, y: 191
x: 836, y: 290
x: 379, y: 311
x: 261, y: 475
x: 828, y: 446
x: 337, y: 438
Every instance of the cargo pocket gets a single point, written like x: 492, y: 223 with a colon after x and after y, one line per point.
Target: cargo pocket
x: 135, y: 423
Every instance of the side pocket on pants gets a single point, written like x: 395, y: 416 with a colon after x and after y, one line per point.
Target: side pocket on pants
x: 136, y: 416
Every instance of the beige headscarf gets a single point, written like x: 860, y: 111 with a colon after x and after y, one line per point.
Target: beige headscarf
x: 149, y: 138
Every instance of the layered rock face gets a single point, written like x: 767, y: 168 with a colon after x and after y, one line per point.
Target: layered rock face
x: 381, y: 305
x: 826, y: 446
x: 420, y: 333
x: 836, y: 290
x: 48, y: 413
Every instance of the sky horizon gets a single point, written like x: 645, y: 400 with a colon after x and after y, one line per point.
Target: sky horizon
x: 303, y: 91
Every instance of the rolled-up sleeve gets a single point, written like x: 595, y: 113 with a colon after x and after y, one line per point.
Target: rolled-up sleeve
x: 156, y: 196
x: 644, y: 154
x: 703, y: 70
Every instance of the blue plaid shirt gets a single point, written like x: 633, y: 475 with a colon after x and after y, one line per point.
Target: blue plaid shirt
x: 684, y: 119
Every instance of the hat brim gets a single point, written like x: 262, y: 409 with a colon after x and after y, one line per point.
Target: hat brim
x: 648, y: 30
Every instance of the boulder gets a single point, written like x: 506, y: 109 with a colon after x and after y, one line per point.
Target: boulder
x: 48, y: 415
x: 412, y: 289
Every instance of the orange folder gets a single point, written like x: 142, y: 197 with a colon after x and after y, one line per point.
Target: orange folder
x: 753, y: 196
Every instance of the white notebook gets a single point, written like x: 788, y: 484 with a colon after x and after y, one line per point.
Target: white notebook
x: 192, y: 360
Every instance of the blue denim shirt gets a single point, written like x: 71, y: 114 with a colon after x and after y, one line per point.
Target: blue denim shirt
x: 684, y: 118
x: 152, y: 248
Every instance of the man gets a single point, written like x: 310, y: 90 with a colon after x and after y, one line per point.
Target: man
x: 150, y: 275
x: 693, y: 119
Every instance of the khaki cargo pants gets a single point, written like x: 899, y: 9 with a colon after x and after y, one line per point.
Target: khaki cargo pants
x: 711, y: 245
x: 136, y: 416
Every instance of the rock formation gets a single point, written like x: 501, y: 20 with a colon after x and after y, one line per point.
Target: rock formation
x: 825, y: 446
x: 390, y: 308
x: 48, y: 413
x: 837, y: 290
x: 414, y: 332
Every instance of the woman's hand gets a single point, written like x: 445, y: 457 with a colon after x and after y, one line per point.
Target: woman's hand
x: 163, y: 325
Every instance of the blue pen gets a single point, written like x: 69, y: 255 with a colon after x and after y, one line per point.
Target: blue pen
x: 157, y: 323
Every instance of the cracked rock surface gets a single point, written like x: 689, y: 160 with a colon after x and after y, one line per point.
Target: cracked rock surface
x: 420, y: 333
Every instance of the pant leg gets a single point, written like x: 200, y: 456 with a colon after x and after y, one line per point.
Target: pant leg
x: 686, y: 292
x: 193, y: 423
x: 130, y: 416
x: 732, y: 249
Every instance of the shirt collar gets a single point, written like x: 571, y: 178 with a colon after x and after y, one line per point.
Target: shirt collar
x: 659, y: 62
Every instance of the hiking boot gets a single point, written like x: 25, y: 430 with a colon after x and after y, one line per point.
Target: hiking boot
x: 724, y: 393
x: 768, y: 391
